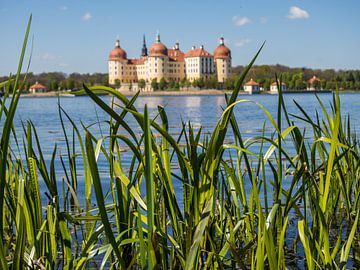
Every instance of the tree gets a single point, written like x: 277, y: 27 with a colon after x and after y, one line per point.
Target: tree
x: 299, y: 84
x: 162, y: 84
x: 201, y: 83
x: 154, y: 84
x: 171, y: 84
x: 117, y: 84
x: 177, y: 86
x: 183, y: 83
x: 53, y: 85
x: 323, y: 84
x: 70, y: 84
x: 229, y: 84
x: 141, y: 84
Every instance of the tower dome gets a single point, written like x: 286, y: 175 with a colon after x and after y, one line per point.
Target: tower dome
x: 158, y: 49
x: 117, y: 53
x: 222, y: 51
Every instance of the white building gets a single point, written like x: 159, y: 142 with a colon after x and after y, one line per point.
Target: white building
x: 251, y: 87
x: 274, y: 87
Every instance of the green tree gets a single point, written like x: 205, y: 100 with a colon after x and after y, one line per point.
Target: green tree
x: 323, y: 84
x: 171, y: 84
x: 154, y: 84
x: 182, y: 83
x: 53, y: 85
x: 117, y: 84
x: 70, y: 84
x: 300, y: 84
x: 229, y: 84
x: 141, y: 84
x: 201, y: 83
x: 162, y: 84
x: 177, y: 86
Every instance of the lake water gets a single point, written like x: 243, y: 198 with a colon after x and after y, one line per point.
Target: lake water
x: 201, y: 111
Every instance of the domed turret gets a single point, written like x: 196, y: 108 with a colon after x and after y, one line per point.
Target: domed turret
x: 222, y: 51
x: 117, y: 53
x: 158, y: 49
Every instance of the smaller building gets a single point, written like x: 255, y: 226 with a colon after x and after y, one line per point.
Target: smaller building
x: 37, y: 88
x: 313, y: 84
x: 274, y: 87
x: 251, y: 87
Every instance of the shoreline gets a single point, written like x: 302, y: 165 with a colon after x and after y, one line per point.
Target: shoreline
x: 205, y: 92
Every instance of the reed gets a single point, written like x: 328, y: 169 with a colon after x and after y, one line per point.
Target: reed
x: 300, y: 209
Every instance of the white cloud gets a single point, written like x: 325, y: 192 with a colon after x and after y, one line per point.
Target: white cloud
x: 63, y: 65
x: 48, y: 57
x: 242, y: 42
x: 63, y: 8
x: 296, y: 13
x: 87, y: 16
x: 240, y: 21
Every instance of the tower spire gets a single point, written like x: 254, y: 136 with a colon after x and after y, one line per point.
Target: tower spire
x: 144, y: 49
x: 221, y: 40
x: 157, y: 37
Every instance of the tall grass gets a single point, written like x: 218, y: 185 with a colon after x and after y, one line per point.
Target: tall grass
x: 300, y: 210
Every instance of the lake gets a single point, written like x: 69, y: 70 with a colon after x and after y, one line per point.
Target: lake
x: 201, y: 111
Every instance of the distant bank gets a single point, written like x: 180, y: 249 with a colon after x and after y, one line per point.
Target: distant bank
x: 178, y: 93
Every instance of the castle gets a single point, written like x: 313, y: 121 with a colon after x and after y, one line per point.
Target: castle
x: 169, y: 64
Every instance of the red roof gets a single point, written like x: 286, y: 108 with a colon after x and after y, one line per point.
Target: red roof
x: 176, y: 55
x: 222, y: 52
x: 37, y: 86
x: 313, y: 79
x: 117, y: 54
x: 136, y: 61
x: 197, y: 53
x: 158, y: 49
x: 251, y: 83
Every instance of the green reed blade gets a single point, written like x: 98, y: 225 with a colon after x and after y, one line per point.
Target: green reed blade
x: 100, y: 197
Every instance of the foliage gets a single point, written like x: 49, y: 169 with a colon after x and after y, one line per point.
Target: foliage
x: 292, y: 202
x: 163, y: 84
x: 117, y: 84
x: 141, y: 84
x: 296, y: 78
x: 154, y: 84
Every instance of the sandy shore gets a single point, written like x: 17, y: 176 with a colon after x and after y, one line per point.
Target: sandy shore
x: 205, y: 92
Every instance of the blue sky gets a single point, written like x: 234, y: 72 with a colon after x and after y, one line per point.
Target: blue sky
x: 77, y: 35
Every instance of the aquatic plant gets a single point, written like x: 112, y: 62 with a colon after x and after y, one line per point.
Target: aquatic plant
x: 300, y: 209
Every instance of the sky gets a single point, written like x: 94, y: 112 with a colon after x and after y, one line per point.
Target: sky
x: 77, y: 35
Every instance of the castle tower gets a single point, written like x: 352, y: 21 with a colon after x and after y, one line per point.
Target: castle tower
x: 116, y: 62
x: 222, y: 57
x: 158, y: 59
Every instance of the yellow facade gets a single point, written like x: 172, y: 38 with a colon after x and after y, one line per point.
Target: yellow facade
x: 169, y: 64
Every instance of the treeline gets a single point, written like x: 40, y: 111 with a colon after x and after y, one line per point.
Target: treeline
x: 56, y: 81
x: 297, y: 78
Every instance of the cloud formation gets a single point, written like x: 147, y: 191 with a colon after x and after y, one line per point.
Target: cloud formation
x: 87, y: 16
x: 240, y: 21
x: 63, y: 8
x: 296, y: 13
x: 242, y: 42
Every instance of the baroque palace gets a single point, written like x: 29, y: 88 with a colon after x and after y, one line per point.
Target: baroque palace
x: 169, y: 64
